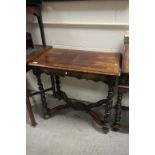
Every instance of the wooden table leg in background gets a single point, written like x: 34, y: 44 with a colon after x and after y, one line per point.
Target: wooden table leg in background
x: 29, y: 108
x: 118, y: 108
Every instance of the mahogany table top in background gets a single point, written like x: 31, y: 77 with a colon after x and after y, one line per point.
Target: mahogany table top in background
x: 125, y: 59
x: 77, y: 60
x: 31, y: 53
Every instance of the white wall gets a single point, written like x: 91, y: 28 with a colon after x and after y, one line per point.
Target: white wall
x: 87, y: 25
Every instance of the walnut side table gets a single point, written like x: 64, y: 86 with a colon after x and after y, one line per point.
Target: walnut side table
x: 96, y: 66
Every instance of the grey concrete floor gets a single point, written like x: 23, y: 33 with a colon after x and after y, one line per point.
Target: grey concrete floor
x: 71, y: 133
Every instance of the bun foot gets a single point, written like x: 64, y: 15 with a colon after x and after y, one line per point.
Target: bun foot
x: 46, y: 116
x: 116, y: 127
x: 105, y: 129
x: 34, y: 124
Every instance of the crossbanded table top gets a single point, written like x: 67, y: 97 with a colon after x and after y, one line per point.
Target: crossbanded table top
x: 106, y: 63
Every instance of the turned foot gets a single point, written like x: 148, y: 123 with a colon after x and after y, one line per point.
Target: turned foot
x: 116, y: 127
x: 46, y: 115
x: 34, y: 124
x: 106, y: 128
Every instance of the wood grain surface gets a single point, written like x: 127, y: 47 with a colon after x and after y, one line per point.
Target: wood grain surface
x: 77, y: 60
x: 37, y: 50
x: 125, y: 60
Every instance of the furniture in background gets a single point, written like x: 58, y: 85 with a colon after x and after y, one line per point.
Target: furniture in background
x: 32, y: 53
x: 96, y: 66
x: 33, y: 7
x: 123, y: 85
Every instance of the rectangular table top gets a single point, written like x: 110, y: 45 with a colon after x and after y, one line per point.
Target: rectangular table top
x: 81, y: 61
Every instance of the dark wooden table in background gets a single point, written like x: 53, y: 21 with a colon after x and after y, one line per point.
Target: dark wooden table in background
x: 97, y: 66
x: 32, y: 53
x: 123, y: 87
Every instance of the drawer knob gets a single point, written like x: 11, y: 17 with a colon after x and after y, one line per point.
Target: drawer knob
x: 65, y: 73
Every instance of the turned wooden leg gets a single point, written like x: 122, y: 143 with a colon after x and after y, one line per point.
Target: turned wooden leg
x: 53, y: 85
x: 118, y: 109
x: 58, y: 86
x: 116, y: 125
x: 43, y: 98
x: 29, y: 108
x: 108, y: 108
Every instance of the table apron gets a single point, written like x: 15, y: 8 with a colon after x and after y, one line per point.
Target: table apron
x: 108, y: 79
